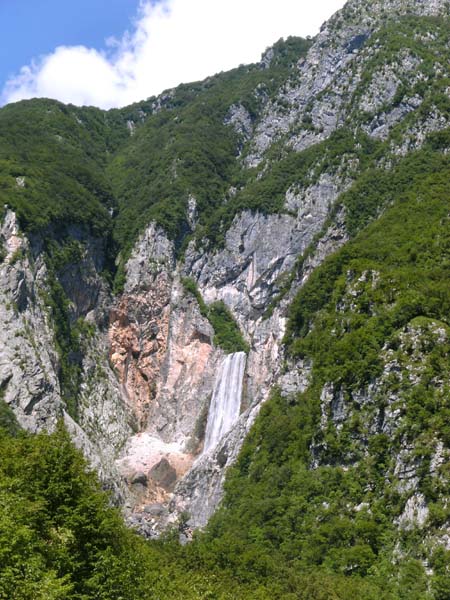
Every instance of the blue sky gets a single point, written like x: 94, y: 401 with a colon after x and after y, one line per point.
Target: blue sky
x: 58, y: 48
x: 29, y: 28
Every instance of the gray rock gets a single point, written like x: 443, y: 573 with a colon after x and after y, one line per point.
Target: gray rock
x: 323, y: 88
x: 139, y: 477
x: 155, y: 510
x: 163, y: 474
x: 239, y: 118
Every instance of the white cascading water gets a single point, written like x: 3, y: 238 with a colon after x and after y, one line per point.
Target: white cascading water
x: 226, y: 400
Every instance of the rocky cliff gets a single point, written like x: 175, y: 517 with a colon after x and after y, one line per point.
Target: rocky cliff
x: 136, y: 381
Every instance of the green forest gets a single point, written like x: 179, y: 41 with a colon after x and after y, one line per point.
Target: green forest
x: 61, y: 539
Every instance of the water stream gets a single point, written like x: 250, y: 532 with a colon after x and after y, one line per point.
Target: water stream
x: 226, y: 400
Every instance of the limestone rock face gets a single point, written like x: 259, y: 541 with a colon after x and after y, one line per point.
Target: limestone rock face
x: 260, y: 249
x: 163, y: 351
x: 148, y: 357
x: 28, y: 361
x: 329, y: 81
x: 240, y: 119
x: 247, y: 275
x: 187, y: 373
x: 200, y: 491
x: 139, y: 321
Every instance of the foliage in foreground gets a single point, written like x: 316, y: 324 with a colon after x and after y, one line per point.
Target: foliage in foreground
x: 61, y: 540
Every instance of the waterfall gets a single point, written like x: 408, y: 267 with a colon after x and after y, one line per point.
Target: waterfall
x: 226, y: 400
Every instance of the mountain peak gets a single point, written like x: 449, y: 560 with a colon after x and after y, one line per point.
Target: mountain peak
x: 360, y: 11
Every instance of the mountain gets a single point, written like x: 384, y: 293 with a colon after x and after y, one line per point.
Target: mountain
x: 235, y: 296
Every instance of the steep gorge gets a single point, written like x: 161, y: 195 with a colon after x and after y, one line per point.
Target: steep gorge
x: 297, y: 209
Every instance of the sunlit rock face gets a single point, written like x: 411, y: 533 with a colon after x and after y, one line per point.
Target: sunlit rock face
x: 184, y: 424
x: 162, y: 410
x: 139, y: 321
x: 30, y: 361
x: 28, y: 366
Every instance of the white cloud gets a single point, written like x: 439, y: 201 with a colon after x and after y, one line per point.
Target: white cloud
x: 173, y: 41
